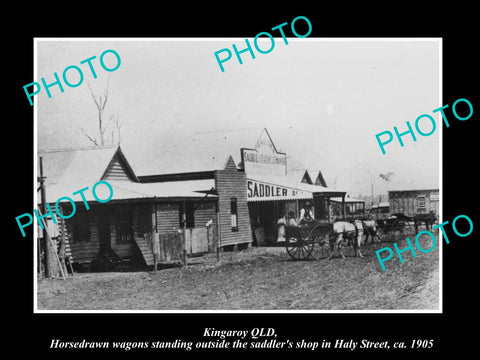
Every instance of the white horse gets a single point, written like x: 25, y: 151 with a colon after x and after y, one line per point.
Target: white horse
x: 352, y: 233
x: 370, y: 227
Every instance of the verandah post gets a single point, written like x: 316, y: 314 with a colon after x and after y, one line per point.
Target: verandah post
x: 219, y: 237
x: 184, y: 234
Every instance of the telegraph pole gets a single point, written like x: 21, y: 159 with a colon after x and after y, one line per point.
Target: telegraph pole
x: 46, y: 255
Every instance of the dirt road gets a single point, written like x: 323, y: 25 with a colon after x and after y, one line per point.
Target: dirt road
x: 257, y: 279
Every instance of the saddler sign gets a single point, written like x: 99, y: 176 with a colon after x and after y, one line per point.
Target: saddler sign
x: 263, y: 191
x: 264, y: 159
x: 266, y: 170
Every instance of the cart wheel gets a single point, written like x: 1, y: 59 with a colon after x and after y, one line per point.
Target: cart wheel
x: 298, y: 248
x: 332, y: 248
x: 323, y: 248
x: 385, y: 235
x: 411, y: 228
x: 398, y: 228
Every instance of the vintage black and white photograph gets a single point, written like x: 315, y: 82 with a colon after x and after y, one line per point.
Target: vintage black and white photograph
x: 194, y: 175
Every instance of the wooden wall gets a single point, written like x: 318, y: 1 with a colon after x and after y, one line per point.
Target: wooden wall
x: 167, y: 216
x: 203, y: 214
x: 231, y: 183
x: 406, y: 202
x: 116, y: 170
x: 83, y: 251
x: 89, y: 250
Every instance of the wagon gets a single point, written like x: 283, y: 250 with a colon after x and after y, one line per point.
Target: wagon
x: 389, y: 228
x: 309, y: 241
x: 401, y: 225
x: 428, y: 219
x: 395, y: 226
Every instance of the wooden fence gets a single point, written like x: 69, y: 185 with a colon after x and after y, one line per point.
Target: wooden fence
x: 166, y: 247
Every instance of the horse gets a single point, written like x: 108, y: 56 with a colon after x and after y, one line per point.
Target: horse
x: 344, y: 230
x: 370, y: 227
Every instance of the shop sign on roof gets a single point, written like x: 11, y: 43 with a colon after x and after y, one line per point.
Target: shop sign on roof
x: 264, y: 158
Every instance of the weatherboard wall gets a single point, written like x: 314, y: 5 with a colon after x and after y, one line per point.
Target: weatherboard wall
x: 231, y: 183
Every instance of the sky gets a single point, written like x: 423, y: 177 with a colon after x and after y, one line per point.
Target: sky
x: 322, y: 101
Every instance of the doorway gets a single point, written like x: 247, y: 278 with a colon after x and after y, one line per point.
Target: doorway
x: 264, y: 218
x: 104, y: 233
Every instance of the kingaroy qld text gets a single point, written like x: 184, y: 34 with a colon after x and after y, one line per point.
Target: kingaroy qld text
x: 79, y: 76
x: 410, y: 131
x: 50, y: 214
x: 255, y: 42
x: 417, y: 237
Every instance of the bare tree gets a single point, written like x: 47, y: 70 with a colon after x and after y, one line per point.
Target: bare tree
x: 113, y: 121
x: 385, y: 177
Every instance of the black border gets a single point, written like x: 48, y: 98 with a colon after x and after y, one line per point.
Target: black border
x: 456, y: 25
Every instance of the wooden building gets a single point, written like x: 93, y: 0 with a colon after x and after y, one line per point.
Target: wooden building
x: 354, y: 208
x: 412, y: 202
x: 195, y: 198
x: 274, y: 191
x: 380, y: 210
x: 171, y: 206
x: 231, y: 201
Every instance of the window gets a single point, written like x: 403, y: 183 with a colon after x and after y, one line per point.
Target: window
x: 421, y: 201
x: 124, y: 225
x: 233, y: 214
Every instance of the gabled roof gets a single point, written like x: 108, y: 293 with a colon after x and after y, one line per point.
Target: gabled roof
x: 295, y: 182
x: 302, y: 175
x: 317, y: 177
x: 69, y: 170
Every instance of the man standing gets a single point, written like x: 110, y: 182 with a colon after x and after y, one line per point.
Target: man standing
x: 306, y: 214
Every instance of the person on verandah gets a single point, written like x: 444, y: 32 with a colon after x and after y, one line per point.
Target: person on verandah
x: 306, y: 214
x: 291, y: 219
x: 281, y: 222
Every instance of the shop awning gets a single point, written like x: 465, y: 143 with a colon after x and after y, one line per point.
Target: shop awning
x: 125, y: 190
x: 347, y: 200
x: 270, y: 188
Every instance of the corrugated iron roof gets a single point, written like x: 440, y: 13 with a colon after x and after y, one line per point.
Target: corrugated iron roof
x: 292, y: 180
x: 347, y: 200
x: 76, y: 168
x: 124, y: 190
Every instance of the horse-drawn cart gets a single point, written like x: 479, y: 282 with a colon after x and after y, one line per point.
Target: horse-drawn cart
x: 311, y: 240
x: 390, y: 228
x: 400, y: 225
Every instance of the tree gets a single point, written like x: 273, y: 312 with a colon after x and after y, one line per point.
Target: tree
x: 112, y: 125
x: 385, y: 177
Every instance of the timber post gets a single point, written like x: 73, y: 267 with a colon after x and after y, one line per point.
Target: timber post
x: 219, y: 237
x: 184, y: 234
x: 46, y: 252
